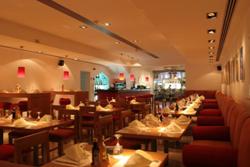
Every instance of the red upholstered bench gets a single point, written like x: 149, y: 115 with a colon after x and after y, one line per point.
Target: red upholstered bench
x: 7, y: 151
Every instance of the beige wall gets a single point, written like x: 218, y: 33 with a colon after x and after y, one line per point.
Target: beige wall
x: 239, y: 35
x: 42, y: 72
x: 202, y: 76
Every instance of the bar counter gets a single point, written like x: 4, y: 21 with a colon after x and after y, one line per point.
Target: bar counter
x: 103, y: 94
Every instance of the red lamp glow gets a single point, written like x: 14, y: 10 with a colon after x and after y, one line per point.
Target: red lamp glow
x: 65, y: 75
x: 21, y: 72
x: 121, y: 76
x: 146, y: 79
x: 132, y: 77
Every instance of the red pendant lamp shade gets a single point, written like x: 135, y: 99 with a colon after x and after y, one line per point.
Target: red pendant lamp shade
x: 21, y: 72
x: 132, y: 77
x: 146, y: 79
x: 65, y: 75
x: 121, y: 76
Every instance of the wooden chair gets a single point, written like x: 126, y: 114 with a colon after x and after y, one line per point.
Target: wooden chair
x: 63, y: 134
x: 32, y: 143
x: 94, y: 123
x: 126, y: 117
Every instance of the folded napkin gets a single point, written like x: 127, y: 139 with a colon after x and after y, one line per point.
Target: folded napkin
x: 23, y: 123
x: 46, y: 118
x: 100, y: 108
x: 166, y: 110
x: 183, y: 118
x: 151, y: 121
x: 113, y: 100
x: 70, y: 107
x: 202, y: 97
x: 136, y: 124
x: 109, y: 106
x: 77, y: 153
x: 133, y: 101
x: 139, y: 158
x: 173, y: 128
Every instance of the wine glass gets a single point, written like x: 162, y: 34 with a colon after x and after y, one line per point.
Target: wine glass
x: 118, y: 147
x: 38, y: 115
x: 117, y: 136
x: 29, y: 116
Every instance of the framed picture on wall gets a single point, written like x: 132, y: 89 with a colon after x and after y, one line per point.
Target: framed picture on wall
x: 237, y: 67
x: 241, y: 64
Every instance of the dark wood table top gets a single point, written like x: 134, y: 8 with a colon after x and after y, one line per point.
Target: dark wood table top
x: 9, y: 164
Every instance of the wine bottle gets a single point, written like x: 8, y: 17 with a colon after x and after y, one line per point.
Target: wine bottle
x: 95, y: 153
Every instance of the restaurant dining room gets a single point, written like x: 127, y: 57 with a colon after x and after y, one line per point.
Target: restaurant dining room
x: 125, y: 83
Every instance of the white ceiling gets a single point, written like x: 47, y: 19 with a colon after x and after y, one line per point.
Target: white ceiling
x: 175, y: 31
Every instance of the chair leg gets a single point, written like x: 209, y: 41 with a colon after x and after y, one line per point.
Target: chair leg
x: 60, y: 148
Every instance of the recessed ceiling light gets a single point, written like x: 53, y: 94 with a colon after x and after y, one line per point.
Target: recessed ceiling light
x: 117, y: 42
x: 211, y: 53
x: 75, y: 58
x: 211, y: 31
x: 211, y: 15
x: 135, y: 41
x: 107, y: 24
x: 83, y: 27
x: 211, y: 47
x: 211, y: 41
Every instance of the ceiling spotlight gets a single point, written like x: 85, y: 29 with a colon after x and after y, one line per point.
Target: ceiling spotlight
x: 107, y: 24
x: 75, y: 58
x: 211, y: 47
x: 211, y: 41
x: 211, y: 31
x: 117, y: 42
x: 83, y: 26
x: 211, y: 15
x: 211, y: 53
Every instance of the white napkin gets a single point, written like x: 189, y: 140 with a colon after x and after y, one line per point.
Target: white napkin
x: 202, y: 97
x: 70, y: 107
x: 46, y: 118
x: 151, y: 121
x: 166, y: 110
x: 100, y: 108
x: 183, y: 118
x: 133, y: 101
x: 113, y: 100
x: 136, y: 124
x: 173, y: 128
x: 109, y: 106
x: 23, y: 123
x: 139, y: 158
x: 77, y: 153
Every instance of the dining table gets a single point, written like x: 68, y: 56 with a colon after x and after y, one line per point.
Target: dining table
x: 32, y: 126
x: 154, y: 133
x: 114, y: 160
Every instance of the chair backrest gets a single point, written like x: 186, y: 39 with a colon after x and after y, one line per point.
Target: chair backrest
x: 126, y: 117
x: 28, y: 142
x: 244, y: 145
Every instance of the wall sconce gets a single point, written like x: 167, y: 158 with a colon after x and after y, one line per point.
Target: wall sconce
x: 21, y: 72
x: 65, y: 75
x: 121, y: 76
x: 132, y: 77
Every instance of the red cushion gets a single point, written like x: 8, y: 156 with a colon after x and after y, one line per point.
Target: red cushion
x: 6, y: 151
x: 210, y: 101
x: 210, y: 105
x: 211, y: 133
x: 210, y: 121
x: 195, y: 155
x: 60, y: 134
x: 210, y: 112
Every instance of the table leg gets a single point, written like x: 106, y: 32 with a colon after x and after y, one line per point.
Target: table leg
x: 165, y: 144
x: 1, y: 136
x: 154, y: 145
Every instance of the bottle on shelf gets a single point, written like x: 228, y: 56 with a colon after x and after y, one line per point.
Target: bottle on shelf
x: 95, y: 153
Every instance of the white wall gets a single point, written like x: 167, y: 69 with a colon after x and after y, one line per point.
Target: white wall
x: 239, y: 36
x: 202, y: 76
x: 42, y: 72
